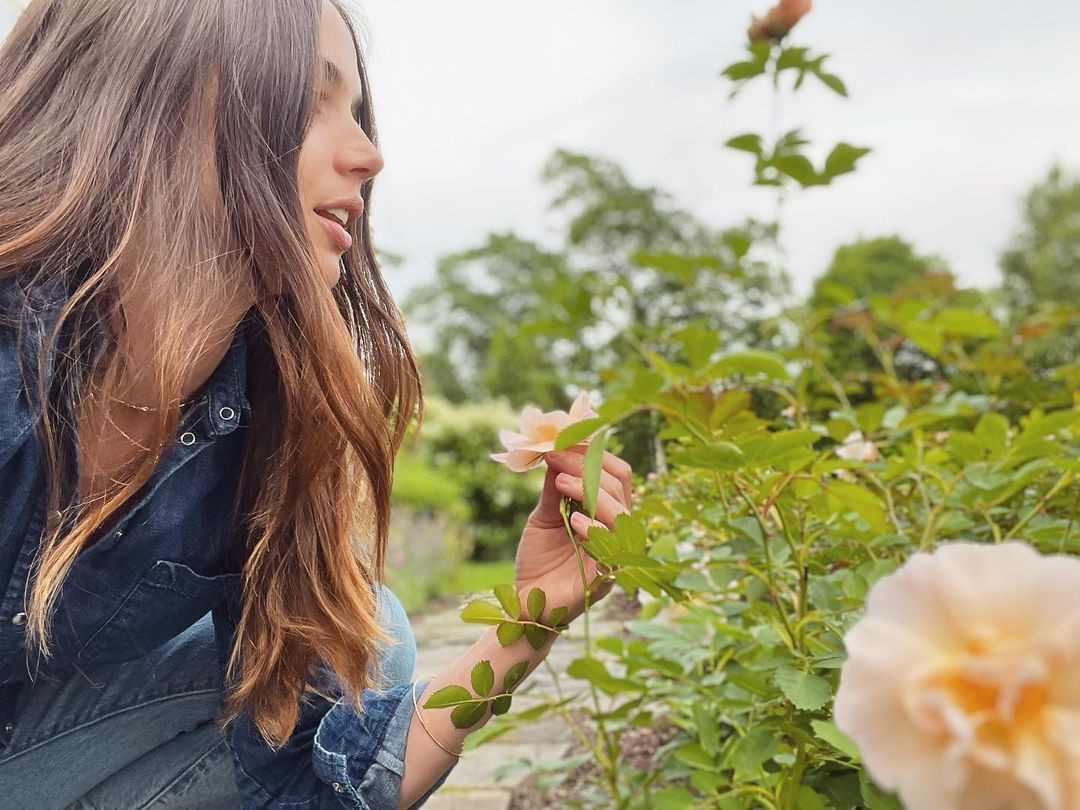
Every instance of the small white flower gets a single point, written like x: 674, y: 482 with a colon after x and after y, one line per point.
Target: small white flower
x: 858, y: 448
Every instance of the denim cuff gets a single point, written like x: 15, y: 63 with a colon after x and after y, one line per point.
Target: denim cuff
x: 361, y: 755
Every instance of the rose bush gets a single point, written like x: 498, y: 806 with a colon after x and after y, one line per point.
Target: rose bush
x: 789, y: 484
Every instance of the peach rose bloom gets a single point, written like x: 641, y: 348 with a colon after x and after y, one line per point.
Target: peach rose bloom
x: 778, y: 20
x: 526, y: 450
x: 962, y: 683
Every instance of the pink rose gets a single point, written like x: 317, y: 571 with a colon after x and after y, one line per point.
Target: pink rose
x: 526, y: 449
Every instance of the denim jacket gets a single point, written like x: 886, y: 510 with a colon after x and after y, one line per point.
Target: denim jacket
x: 161, y: 565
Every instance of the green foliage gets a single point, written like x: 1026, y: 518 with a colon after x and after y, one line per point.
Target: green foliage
x: 796, y: 459
x: 870, y: 267
x: 511, y: 319
x: 447, y: 469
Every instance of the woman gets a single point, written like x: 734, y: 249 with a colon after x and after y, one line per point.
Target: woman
x: 203, y: 383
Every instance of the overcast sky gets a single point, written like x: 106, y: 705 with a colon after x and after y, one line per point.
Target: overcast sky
x: 965, y: 102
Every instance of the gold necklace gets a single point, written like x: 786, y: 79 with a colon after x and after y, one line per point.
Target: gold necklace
x: 143, y: 408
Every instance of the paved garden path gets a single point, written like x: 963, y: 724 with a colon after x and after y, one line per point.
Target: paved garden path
x: 440, y: 637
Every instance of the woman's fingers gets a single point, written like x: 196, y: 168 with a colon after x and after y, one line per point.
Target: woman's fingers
x: 615, y: 474
x: 607, y: 507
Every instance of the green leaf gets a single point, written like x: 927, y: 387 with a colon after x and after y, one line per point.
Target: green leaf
x: 671, y: 798
x: 751, y: 362
x: 483, y: 678
x: 749, y: 142
x: 806, y: 798
x: 798, y: 168
x: 740, y: 71
x: 805, y: 691
x: 967, y: 323
x: 756, y: 748
x: 514, y: 675
x: 714, y: 456
x: 594, y: 462
x: 468, y: 715
x: 842, y: 159
x: 707, y: 728
x: 557, y: 615
x: 926, y: 336
x: 509, y: 632
x: 535, y: 602
x: 828, y: 732
x: 480, y: 611
x: 536, y: 636
x: 576, y: 432
x: 833, y: 82
x: 501, y: 704
x: 447, y: 696
x: 593, y: 671
x: 508, y: 598
x: 992, y: 431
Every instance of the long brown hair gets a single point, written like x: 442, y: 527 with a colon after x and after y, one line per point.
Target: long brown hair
x: 105, y: 110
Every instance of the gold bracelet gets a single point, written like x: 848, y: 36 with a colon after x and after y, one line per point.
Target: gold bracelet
x: 428, y: 730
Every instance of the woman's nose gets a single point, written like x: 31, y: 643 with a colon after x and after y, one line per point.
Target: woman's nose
x: 360, y: 157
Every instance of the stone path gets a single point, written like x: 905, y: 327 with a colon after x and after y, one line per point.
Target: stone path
x: 440, y: 637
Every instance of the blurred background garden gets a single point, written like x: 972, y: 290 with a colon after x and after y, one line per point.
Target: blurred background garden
x: 822, y: 281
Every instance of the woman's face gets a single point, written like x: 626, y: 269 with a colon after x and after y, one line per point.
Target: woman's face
x: 336, y: 156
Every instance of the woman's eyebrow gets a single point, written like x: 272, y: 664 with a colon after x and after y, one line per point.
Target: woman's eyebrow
x: 332, y: 77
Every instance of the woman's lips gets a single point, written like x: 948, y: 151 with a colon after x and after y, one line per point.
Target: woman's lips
x: 342, y: 238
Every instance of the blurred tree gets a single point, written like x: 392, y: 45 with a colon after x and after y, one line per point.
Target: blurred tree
x: 1041, y: 269
x: 870, y: 267
x: 513, y: 319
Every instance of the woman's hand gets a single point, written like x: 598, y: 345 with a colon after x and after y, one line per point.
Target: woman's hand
x: 545, y: 557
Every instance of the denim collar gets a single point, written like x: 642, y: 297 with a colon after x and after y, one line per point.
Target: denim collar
x: 223, y: 395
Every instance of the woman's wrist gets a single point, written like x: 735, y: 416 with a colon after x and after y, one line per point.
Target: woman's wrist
x: 426, y: 759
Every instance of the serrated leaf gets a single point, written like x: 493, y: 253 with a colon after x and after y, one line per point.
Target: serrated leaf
x: 509, y: 632
x: 535, y: 603
x: 536, y: 636
x: 468, y: 715
x: 447, y: 696
x: 480, y: 611
x: 515, y: 675
x: 508, y: 598
x: 501, y: 704
x: 805, y: 691
x: 483, y: 678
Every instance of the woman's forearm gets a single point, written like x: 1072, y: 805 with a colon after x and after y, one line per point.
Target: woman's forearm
x: 425, y: 761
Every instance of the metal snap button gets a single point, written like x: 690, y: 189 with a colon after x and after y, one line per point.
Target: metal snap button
x: 18, y: 618
x: 226, y: 413
x: 188, y: 438
x: 337, y: 786
x: 10, y: 727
